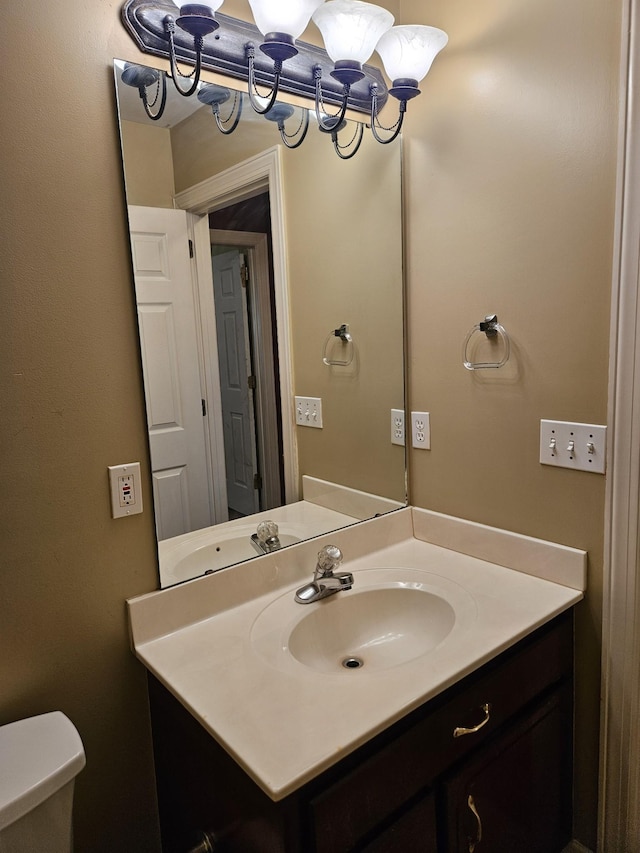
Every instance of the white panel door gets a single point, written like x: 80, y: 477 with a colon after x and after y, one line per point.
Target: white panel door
x: 166, y: 317
x: 232, y: 323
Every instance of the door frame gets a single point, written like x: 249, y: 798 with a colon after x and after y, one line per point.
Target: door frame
x: 619, y: 797
x: 263, y: 172
x: 263, y: 367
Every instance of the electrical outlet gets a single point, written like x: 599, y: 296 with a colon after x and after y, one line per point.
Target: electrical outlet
x: 126, y: 492
x: 420, y: 430
x: 309, y: 412
x: 568, y: 445
x: 397, y: 426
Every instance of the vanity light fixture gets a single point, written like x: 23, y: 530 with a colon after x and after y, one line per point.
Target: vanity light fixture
x: 214, y: 96
x: 279, y: 113
x: 280, y: 24
x: 351, y: 31
x: 142, y: 79
x: 199, y: 21
x: 407, y: 53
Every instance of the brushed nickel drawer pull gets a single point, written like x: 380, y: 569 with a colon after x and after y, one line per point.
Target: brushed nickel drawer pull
x: 459, y: 730
x: 473, y: 844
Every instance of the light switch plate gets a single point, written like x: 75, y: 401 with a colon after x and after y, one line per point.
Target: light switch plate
x: 571, y: 445
x: 309, y: 412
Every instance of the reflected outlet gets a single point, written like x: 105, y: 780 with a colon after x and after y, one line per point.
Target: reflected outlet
x: 397, y: 426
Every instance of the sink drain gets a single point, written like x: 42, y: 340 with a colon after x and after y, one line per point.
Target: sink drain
x: 353, y: 663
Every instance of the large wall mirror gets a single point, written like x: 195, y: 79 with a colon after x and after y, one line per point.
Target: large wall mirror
x: 269, y: 291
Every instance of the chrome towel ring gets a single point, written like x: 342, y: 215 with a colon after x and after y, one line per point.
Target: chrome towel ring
x: 343, y: 333
x: 493, y: 330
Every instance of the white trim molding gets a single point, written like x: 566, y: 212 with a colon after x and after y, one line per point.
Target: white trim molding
x: 619, y: 807
x: 259, y: 173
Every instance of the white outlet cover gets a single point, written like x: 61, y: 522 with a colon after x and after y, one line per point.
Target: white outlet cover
x: 565, y: 444
x: 420, y: 431
x: 397, y: 426
x: 126, y: 489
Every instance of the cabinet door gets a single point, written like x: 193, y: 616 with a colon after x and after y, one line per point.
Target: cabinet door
x: 413, y: 832
x: 515, y: 795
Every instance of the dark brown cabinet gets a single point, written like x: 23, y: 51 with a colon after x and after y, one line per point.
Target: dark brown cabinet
x: 486, y: 767
x: 515, y: 794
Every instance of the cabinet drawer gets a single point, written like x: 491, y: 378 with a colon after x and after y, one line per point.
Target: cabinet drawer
x: 515, y: 794
x: 425, y: 745
x: 507, y: 685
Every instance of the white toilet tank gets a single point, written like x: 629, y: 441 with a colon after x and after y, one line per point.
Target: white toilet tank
x: 39, y: 760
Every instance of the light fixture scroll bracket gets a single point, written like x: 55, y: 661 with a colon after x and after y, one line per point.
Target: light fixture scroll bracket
x: 224, y: 51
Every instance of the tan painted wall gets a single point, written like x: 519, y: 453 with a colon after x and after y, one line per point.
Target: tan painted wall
x: 194, y: 162
x: 355, y: 280
x: 510, y: 202
x: 72, y: 405
x: 345, y: 266
x: 510, y: 177
x: 148, y: 164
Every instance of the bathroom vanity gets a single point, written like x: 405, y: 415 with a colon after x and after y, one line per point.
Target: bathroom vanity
x: 458, y: 742
x: 414, y: 787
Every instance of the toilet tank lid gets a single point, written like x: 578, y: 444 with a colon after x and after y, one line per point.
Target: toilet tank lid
x: 38, y: 756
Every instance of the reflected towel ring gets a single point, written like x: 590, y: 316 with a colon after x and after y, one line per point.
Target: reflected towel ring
x: 491, y: 329
x: 345, y: 337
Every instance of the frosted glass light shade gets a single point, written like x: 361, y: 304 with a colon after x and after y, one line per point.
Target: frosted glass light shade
x: 214, y: 5
x: 407, y: 52
x: 283, y: 16
x: 351, y: 28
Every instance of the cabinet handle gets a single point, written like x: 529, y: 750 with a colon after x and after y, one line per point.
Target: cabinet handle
x: 207, y: 844
x: 459, y: 730
x: 472, y: 805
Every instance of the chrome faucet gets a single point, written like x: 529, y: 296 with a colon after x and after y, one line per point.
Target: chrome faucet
x: 326, y: 580
x: 266, y: 539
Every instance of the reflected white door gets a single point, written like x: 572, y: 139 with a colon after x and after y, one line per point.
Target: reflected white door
x: 166, y: 317
x: 232, y: 324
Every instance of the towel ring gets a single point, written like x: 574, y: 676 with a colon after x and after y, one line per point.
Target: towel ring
x: 345, y: 337
x: 491, y: 329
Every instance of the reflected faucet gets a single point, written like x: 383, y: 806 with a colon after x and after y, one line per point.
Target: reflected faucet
x: 266, y: 539
x: 326, y: 581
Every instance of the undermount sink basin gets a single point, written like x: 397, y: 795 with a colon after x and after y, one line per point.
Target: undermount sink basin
x: 390, y: 617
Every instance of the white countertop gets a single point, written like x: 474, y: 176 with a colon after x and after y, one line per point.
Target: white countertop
x: 283, y: 722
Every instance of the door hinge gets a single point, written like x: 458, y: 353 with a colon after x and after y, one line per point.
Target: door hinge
x: 257, y: 481
x: 190, y: 248
x: 204, y: 408
x: 244, y: 274
x: 251, y: 382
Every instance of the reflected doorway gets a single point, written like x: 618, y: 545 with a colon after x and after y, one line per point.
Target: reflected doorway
x: 240, y: 236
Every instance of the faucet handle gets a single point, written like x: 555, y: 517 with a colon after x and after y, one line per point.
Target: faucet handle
x: 267, y: 530
x: 329, y: 558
